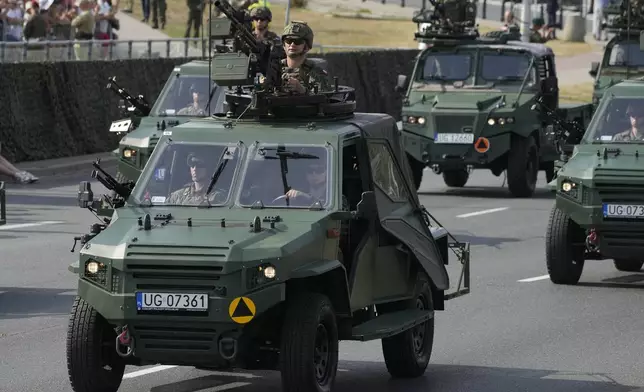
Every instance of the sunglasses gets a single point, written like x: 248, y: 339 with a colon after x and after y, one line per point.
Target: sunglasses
x: 296, y: 41
x: 261, y: 19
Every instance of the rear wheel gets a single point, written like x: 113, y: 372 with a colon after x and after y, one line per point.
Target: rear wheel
x: 456, y: 178
x: 408, y: 353
x: 92, y: 362
x: 309, y: 348
x: 628, y: 265
x: 417, y: 169
x: 564, y: 259
x: 523, y: 166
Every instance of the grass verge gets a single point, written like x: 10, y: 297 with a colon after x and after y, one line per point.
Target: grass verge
x: 576, y: 93
x: 333, y: 30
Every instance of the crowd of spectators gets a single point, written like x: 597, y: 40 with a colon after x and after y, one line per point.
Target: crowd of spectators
x: 39, y: 20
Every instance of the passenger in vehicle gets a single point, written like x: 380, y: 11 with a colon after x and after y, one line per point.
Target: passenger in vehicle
x: 198, y: 104
x: 634, y: 133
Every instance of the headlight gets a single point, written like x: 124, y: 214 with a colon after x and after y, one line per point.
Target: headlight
x: 269, y: 272
x: 92, y: 267
x: 491, y: 121
x: 129, y: 153
x: 96, y: 272
x: 569, y: 188
x: 500, y: 120
x: 566, y: 186
x: 414, y: 120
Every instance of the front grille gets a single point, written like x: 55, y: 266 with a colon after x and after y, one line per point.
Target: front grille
x: 177, y: 253
x: 175, y: 338
x: 620, y: 192
x: 633, y: 237
x: 453, y: 124
x: 176, y: 277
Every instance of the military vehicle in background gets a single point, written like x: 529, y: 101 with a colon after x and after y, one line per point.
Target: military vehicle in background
x: 623, y: 56
x: 599, y: 208
x: 246, y: 277
x: 188, y: 93
x: 3, y: 204
x: 467, y: 103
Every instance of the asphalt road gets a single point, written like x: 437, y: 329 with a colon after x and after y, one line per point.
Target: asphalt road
x: 510, y: 334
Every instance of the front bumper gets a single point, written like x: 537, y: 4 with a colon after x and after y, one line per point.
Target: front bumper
x: 181, y: 338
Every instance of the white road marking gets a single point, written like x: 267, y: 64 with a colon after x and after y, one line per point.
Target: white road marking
x: 536, y: 278
x: 226, y: 387
x: 160, y: 368
x: 151, y: 370
x: 483, y: 212
x: 33, y: 224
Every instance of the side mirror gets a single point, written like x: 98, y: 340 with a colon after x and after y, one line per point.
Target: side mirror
x: 367, y: 206
x: 401, y: 84
x: 594, y: 67
x: 85, y: 194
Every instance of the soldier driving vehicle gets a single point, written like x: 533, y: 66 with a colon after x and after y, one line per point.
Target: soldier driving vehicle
x: 599, y: 208
x: 623, y: 56
x: 255, y: 280
x: 467, y: 104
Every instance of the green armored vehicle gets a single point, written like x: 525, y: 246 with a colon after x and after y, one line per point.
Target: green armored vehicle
x: 599, y: 208
x: 623, y: 56
x: 187, y: 94
x: 467, y: 105
x: 261, y: 237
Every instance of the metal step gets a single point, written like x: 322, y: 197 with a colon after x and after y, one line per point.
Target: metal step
x: 390, y: 324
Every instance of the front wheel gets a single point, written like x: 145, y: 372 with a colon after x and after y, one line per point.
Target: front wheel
x: 309, y: 348
x: 408, y: 353
x: 523, y: 166
x: 564, y: 257
x: 417, y: 169
x: 92, y: 362
x: 628, y: 265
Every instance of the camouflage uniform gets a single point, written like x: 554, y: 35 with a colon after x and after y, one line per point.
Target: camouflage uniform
x: 309, y: 74
x: 264, y: 13
x: 189, y: 196
x: 191, y: 111
x: 627, y: 136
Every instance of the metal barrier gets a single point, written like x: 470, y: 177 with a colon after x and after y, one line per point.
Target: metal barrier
x: 53, y: 51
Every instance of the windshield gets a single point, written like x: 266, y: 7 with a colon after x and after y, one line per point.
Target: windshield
x: 188, y: 96
x: 626, y: 54
x: 619, y: 120
x: 506, y: 68
x: 180, y: 174
x: 274, y: 172
x: 439, y: 67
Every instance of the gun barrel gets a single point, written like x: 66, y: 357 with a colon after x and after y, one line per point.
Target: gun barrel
x: 246, y: 35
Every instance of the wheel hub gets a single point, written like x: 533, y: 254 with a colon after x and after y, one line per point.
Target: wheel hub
x: 321, y: 355
x: 418, y: 333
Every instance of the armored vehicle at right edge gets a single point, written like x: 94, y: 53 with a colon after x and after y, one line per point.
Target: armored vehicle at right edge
x: 260, y: 237
x: 467, y: 105
x: 623, y: 56
x: 599, y: 207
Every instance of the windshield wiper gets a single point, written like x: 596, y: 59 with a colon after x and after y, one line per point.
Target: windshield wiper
x: 283, y: 155
x: 223, y: 161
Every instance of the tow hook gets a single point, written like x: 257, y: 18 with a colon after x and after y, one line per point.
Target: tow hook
x: 436, y: 169
x: 591, y: 241
x: 124, y: 340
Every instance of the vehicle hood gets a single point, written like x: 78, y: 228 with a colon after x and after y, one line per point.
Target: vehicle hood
x: 457, y: 99
x: 205, y: 241
x: 588, y: 164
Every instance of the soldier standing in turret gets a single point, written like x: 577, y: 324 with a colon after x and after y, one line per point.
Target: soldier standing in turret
x: 299, y: 74
x: 261, y: 17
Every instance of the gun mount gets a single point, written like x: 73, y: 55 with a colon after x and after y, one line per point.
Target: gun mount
x: 453, y: 22
x: 625, y: 17
x: 567, y: 133
x: 136, y: 104
x: 251, y: 72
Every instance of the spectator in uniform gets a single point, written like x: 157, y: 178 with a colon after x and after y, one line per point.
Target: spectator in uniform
x: 195, y: 16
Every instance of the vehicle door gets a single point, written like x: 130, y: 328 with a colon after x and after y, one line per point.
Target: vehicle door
x: 399, y: 212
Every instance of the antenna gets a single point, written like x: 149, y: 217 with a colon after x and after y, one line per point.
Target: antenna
x: 209, y: 53
x: 628, y: 34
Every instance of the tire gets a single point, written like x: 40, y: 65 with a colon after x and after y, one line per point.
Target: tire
x: 88, y: 335
x: 456, y: 178
x: 417, y: 169
x: 628, y: 265
x: 309, y: 327
x: 407, y: 354
x: 523, y: 166
x: 565, y: 263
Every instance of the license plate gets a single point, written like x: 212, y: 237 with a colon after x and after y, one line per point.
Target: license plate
x: 455, y: 138
x: 623, y: 211
x: 172, y: 301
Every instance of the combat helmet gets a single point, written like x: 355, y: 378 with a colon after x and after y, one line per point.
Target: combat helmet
x: 299, y: 30
x: 261, y: 13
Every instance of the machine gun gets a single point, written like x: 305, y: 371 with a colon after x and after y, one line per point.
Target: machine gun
x: 567, y: 133
x: 248, y: 57
x: 109, y: 182
x: 447, y: 20
x: 138, y: 104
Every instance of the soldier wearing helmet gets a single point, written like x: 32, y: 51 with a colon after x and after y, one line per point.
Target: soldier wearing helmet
x: 299, y: 74
x: 636, y: 131
x: 194, y: 193
x: 261, y: 17
x: 196, y: 107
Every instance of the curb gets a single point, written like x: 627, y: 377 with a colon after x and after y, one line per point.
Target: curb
x: 55, y: 167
